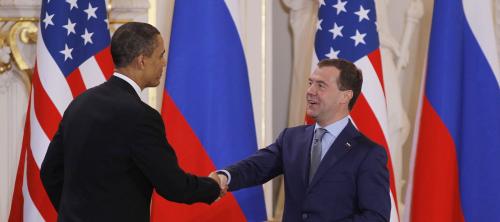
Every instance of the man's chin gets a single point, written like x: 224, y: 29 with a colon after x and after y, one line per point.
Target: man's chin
x: 311, y: 114
x: 153, y: 84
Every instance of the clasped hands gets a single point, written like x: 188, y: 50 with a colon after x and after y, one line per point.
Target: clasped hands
x: 222, y: 181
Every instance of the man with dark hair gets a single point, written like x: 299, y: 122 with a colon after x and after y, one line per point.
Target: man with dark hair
x: 110, y: 150
x: 350, y: 77
x: 332, y: 172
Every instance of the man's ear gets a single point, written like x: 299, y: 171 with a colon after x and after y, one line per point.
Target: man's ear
x: 347, y: 96
x: 139, y: 61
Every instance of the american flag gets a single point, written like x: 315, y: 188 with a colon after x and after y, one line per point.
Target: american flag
x: 72, y: 55
x: 348, y: 30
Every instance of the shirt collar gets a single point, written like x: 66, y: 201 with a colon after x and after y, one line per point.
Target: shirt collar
x: 134, y: 85
x: 336, y: 127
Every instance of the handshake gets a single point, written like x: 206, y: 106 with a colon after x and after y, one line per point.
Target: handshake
x: 221, y: 179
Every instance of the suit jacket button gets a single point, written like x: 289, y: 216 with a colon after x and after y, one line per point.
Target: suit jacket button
x: 304, y: 216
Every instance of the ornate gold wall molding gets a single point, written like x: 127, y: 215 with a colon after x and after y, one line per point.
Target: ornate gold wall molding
x: 15, y: 32
x: 4, y: 56
x: 20, y: 33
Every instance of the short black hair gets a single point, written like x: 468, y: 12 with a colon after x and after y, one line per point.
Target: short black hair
x: 131, y: 40
x: 351, y: 78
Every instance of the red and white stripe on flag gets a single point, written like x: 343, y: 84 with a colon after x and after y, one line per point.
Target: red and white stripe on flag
x: 72, y: 55
x: 347, y: 29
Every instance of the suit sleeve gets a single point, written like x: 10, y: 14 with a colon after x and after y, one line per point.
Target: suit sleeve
x: 259, y: 168
x: 373, y: 188
x: 52, y: 169
x: 157, y: 160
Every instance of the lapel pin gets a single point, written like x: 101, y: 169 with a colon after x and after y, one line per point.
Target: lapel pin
x: 348, y: 146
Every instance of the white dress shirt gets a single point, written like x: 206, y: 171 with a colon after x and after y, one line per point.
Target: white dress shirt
x: 130, y: 81
x: 332, y: 132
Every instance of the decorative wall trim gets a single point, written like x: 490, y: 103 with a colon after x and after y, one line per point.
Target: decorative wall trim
x: 17, y: 43
x: 6, y: 81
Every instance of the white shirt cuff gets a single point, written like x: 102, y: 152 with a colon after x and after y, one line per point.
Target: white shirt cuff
x: 225, y: 172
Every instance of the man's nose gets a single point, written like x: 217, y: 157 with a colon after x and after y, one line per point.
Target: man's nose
x: 311, y: 89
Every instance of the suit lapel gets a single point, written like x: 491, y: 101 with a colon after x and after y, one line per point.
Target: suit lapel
x: 341, y: 146
x: 305, y: 159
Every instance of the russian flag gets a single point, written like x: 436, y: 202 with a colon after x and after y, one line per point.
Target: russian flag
x: 457, y: 158
x: 207, y: 109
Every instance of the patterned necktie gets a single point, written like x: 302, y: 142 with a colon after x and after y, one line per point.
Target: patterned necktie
x: 316, y: 152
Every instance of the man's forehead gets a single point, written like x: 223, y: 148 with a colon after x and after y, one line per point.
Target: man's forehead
x: 325, y: 72
x: 159, y: 40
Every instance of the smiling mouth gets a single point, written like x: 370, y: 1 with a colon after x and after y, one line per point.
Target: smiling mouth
x: 311, y: 102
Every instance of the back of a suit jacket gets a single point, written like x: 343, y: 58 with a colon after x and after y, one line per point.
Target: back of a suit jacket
x: 112, y: 152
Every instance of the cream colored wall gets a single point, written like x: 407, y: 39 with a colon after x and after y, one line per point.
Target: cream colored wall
x: 411, y: 83
x: 13, y: 102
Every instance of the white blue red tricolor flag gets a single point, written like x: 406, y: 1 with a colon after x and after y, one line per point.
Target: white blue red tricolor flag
x: 348, y: 30
x: 207, y: 109
x: 72, y: 55
x: 456, y: 158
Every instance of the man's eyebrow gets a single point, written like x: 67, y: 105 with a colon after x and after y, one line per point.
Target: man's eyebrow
x: 318, y: 81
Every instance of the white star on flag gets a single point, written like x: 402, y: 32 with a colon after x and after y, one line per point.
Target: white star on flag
x: 48, y: 19
x: 333, y: 54
x: 72, y: 4
x: 358, y: 38
x: 90, y: 12
x: 70, y: 27
x: 107, y: 23
x: 318, y: 24
x: 87, y: 37
x: 362, y: 13
x: 321, y: 2
x: 336, y: 31
x: 67, y: 52
x: 340, y: 6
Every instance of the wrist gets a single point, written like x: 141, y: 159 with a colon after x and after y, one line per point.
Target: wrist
x: 226, y: 174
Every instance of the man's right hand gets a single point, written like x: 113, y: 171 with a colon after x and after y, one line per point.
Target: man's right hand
x: 221, y: 180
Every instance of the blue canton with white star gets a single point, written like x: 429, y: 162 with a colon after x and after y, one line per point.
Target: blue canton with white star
x: 74, y: 30
x: 346, y: 29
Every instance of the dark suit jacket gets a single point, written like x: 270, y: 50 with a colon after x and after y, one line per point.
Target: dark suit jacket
x: 109, y: 153
x: 351, y: 183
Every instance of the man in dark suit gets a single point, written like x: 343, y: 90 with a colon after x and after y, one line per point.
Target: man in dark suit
x: 110, y: 151
x: 332, y: 172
